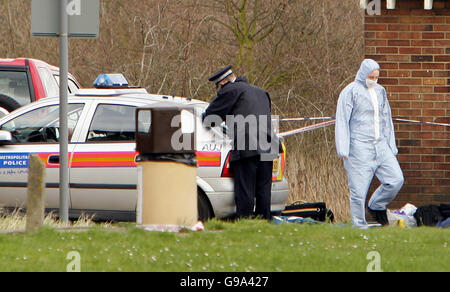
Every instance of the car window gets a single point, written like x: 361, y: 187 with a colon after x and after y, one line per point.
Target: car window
x: 73, y: 87
x: 51, y: 87
x: 41, y: 125
x: 112, y: 123
x: 15, y: 84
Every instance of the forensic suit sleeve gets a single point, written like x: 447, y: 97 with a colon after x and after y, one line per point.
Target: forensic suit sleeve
x: 342, y: 127
x: 389, y: 131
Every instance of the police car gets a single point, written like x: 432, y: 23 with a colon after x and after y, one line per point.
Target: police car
x: 103, y: 172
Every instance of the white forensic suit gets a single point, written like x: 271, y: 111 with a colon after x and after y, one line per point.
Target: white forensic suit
x: 364, y: 134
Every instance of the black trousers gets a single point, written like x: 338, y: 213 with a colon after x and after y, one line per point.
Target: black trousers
x: 252, y: 181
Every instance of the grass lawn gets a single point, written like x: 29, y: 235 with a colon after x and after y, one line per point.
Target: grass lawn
x: 248, y: 245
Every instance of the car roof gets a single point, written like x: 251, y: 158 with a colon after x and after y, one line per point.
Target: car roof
x: 12, y: 62
x: 21, y: 62
x: 137, y: 95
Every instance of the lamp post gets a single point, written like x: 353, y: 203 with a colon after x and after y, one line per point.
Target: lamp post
x: 63, y: 129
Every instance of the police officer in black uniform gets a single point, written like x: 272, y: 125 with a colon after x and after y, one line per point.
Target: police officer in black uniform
x: 246, y: 109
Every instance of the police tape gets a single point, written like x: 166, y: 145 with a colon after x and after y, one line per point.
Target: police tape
x: 333, y: 118
x: 333, y: 121
x: 421, y: 122
x: 308, y: 128
x: 307, y: 119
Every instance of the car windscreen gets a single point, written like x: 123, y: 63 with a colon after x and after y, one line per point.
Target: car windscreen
x: 14, y: 84
x: 41, y: 125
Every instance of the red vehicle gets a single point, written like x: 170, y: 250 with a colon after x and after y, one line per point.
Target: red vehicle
x: 23, y: 81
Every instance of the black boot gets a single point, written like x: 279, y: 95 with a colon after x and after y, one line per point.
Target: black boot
x: 379, y: 216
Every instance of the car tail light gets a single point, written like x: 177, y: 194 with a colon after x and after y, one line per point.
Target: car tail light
x: 283, y: 161
x: 226, y: 171
x: 279, y: 165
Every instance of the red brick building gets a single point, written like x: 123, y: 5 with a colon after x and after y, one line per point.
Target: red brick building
x: 412, y: 45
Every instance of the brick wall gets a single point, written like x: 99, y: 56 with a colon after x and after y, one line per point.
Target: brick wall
x: 412, y: 46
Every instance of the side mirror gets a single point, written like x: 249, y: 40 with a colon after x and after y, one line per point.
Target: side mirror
x: 5, y: 137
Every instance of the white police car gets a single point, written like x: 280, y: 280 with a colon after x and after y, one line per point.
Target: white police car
x: 103, y: 173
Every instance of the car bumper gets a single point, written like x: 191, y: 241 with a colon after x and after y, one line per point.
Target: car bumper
x: 222, y: 198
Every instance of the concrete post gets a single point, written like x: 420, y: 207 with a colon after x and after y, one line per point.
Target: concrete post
x: 35, y: 193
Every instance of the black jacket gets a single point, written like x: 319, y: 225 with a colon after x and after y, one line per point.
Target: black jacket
x: 246, y: 109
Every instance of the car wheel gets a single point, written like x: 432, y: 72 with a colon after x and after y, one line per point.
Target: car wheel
x: 8, y: 103
x: 204, y: 207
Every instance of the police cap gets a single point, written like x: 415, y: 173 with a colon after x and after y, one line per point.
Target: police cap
x: 221, y: 75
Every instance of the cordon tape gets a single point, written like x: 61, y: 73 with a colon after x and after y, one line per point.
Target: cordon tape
x: 333, y: 121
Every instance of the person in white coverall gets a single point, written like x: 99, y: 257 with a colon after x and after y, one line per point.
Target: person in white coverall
x: 365, y: 141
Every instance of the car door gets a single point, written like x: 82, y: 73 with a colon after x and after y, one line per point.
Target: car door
x: 103, y: 173
x: 34, y: 131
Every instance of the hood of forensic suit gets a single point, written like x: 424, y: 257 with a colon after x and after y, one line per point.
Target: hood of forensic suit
x: 367, y: 66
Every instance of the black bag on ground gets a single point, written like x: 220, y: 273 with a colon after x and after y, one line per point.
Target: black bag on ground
x: 445, y: 210
x: 428, y: 215
x: 316, y: 211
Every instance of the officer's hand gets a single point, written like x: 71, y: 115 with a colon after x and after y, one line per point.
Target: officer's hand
x: 343, y: 158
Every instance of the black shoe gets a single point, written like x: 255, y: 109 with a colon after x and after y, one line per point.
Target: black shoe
x: 379, y: 216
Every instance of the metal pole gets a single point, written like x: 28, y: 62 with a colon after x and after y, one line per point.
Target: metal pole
x: 63, y: 124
